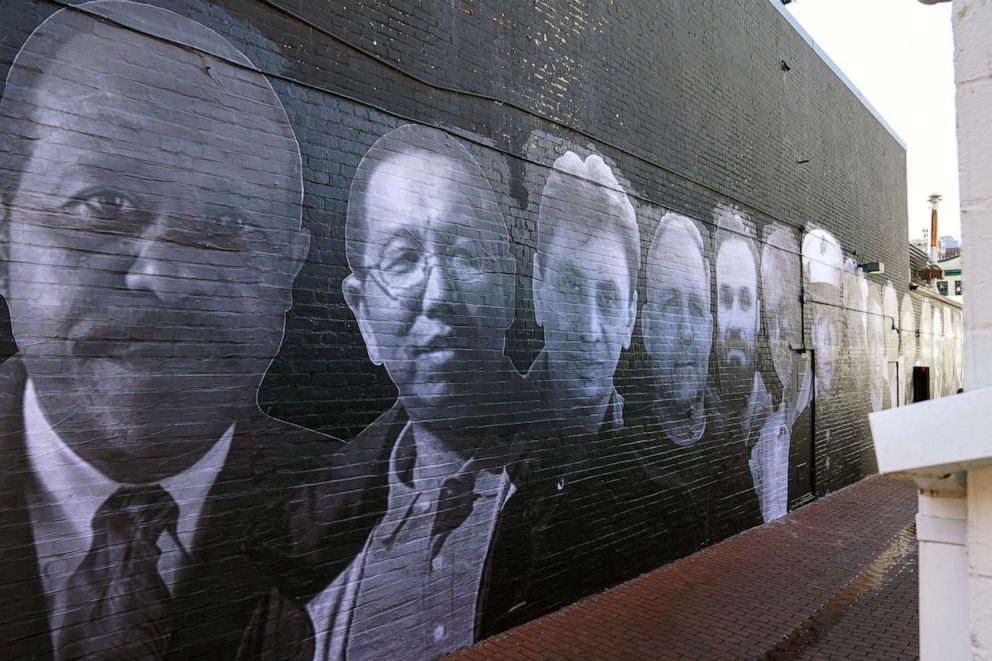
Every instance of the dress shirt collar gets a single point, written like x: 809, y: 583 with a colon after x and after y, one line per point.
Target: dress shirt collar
x: 78, y: 489
x: 414, y: 483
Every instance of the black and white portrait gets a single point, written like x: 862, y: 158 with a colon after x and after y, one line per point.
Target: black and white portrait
x: 876, y: 348
x: 677, y: 327
x: 436, y: 476
x: 956, y: 350
x: 890, y: 323
x: 947, y: 350
x: 738, y: 320
x: 927, y: 342
x: 937, y: 352
x: 781, y: 286
x: 746, y: 403
x: 149, y: 250
x: 823, y: 264
x: 908, y: 345
x: 854, y: 295
x: 585, y: 292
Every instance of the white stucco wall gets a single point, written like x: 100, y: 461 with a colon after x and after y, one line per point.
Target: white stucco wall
x: 973, y: 73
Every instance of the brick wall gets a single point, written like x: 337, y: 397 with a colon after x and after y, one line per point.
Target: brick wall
x: 564, y: 292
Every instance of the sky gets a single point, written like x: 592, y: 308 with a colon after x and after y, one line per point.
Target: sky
x: 900, y: 55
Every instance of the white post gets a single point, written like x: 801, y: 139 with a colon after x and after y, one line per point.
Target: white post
x: 973, y: 76
x: 940, y: 530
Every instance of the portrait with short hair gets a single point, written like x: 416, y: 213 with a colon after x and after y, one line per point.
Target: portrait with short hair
x: 926, y: 342
x: 908, y: 345
x: 432, y: 290
x: 937, y: 352
x: 823, y: 266
x: 151, y: 234
x: 876, y: 365
x: 738, y: 304
x: 854, y: 297
x: 950, y: 381
x: 781, y: 283
x: 890, y: 323
x: 677, y: 327
x: 584, y: 280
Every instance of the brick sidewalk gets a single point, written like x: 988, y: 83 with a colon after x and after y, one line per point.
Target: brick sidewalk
x: 834, y: 580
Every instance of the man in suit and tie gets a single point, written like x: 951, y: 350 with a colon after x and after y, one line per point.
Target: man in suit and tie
x: 150, y: 239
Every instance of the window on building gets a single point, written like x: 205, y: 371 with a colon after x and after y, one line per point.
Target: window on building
x: 957, y: 287
x: 942, y: 287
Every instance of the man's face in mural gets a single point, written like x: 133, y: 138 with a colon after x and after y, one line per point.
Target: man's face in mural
x: 936, y: 338
x: 926, y: 337
x: 737, y: 308
x: 890, y: 310
x: 435, y: 292
x: 677, y: 321
x: 825, y: 333
x: 876, y: 347
x: 149, y: 252
x: 908, y: 345
x: 780, y: 282
x: 823, y: 269
x: 586, y: 305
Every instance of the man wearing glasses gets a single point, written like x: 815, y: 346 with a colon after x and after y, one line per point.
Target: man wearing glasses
x: 443, y: 500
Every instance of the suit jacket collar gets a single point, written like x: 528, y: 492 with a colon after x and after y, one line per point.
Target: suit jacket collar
x: 226, y: 607
x: 23, y: 609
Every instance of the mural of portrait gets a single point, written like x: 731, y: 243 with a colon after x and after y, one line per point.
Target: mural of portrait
x: 746, y: 403
x: 890, y: 325
x: 855, y: 300
x: 823, y: 264
x: 950, y: 380
x: 926, y: 341
x: 677, y: 326
x: 149, y: 256
x: 432, y: 289
x: 907, y: 346
x: 781, y: 282
x: 876, y: 348
x: 958, y: 350
x: 937, y: 352
x: 585, y: 291
x: 737, y: 316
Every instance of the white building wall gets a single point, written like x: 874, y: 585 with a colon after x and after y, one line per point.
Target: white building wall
x: 973, y: 73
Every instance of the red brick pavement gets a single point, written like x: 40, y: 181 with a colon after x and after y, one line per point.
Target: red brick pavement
x: 834, y: 580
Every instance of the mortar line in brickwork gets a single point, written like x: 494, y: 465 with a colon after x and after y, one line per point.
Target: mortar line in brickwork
x: 289, y: 79
x: 867, y: 582
x: 504, y: 102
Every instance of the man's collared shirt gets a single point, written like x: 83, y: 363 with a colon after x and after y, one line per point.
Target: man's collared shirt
x: 68, y: 492
x: 415, y: 584
x: 539, y: 374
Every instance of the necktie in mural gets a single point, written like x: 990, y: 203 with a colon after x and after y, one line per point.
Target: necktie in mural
x: 117, y: 604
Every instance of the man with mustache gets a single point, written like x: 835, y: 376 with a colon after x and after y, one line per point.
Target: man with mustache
x: 151, y: 236
x: 742, y: 389
x: 746, y: 402
x: 585, y: 294
x: 450, y: 517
